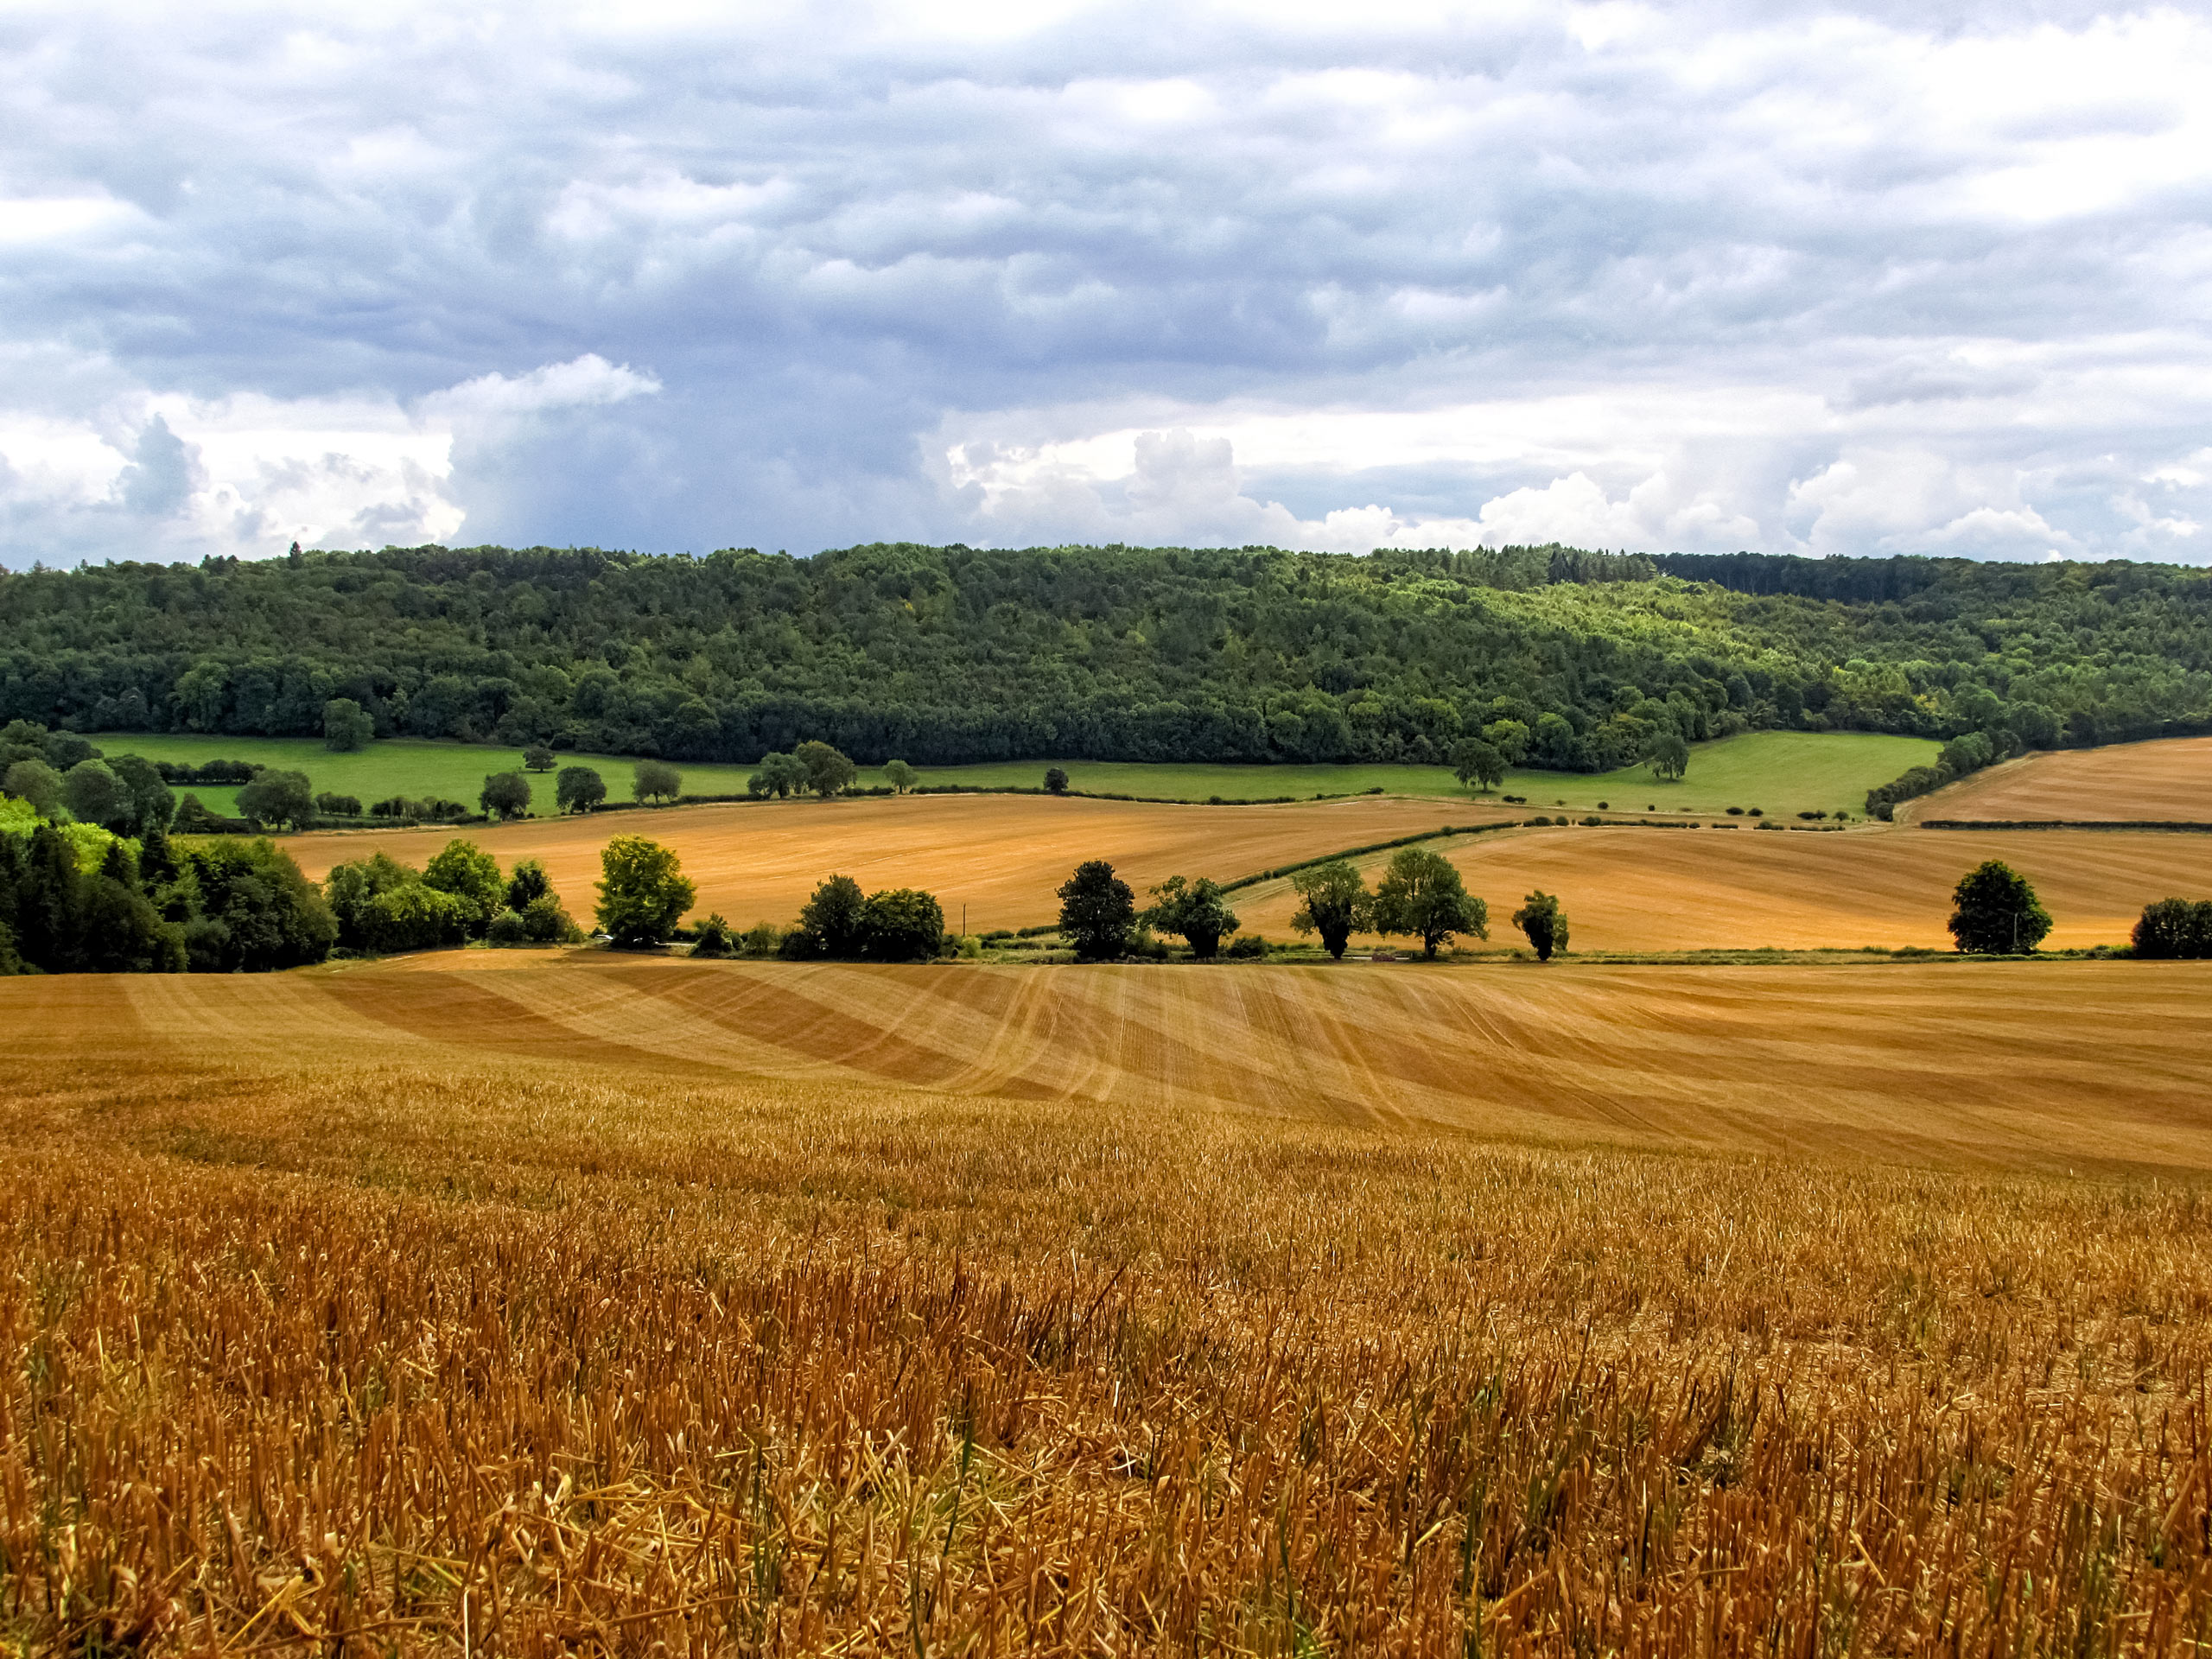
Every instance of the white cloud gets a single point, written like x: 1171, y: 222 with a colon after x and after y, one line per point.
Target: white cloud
x: 1803, y: 277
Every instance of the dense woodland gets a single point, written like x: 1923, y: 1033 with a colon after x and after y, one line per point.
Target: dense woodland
x: 943, y: 655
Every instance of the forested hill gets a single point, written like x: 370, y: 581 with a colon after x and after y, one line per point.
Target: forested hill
x: 952, y: 654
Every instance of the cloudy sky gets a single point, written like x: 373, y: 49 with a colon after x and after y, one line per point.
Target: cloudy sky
x: 1901, y: 277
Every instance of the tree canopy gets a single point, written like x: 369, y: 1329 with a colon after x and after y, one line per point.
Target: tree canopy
x: 1995, y: 912
x: 1421, y: 895
x: 1557, y: 658
x: 1098, y: 913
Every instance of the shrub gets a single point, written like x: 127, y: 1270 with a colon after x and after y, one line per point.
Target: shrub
x: 1812, y: 818
x: 1758, y: 811
x: 1604, y: 807
x: 1246, y: 947
x: 712, y: 937
x: 1735, y: 811
x: 507, y: 930
x: 901, y: 924
x: 1544, y: 922
x: 1593, y: 819
x: 2175, y: 929
x: 761, y: 939
x: 548, y: 922
x: 414, y: 916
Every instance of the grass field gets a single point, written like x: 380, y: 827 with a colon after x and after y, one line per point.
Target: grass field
x: 544, y: 1304
x: 1782, y: 771
x: 2168, y: 780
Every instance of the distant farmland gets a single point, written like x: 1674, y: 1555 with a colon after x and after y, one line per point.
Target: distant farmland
x: 2167, y: 780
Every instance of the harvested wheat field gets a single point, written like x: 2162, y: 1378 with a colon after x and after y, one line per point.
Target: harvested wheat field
x: 2166, y: 781
x: 563, y: 1303
x: 1002, y: 855
x: 1634, y: 889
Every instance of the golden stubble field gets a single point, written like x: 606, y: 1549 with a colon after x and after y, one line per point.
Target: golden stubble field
x: 1626, y: 889
x: 565, y: 1303
x: 2166, y: 780
x: 1001, y: 855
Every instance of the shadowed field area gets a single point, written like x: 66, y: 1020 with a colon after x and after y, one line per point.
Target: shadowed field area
x: 2168, y: 780
x: 544, y: 1304
x: 1002, y: 855
x: 1638, y: 889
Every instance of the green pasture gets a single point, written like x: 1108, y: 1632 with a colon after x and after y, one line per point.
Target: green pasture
x: 1779, y: 772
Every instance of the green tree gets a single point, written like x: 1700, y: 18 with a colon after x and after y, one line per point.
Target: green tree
x: 780, y: 775
x: 901, y: 775
x: 472, y: 876
x: 345, y: 725
x: 1668, y: 757
x: 655, y: 780
x: 94, y: 794
x: 1195, y: 912
x: 351, y: 887
x: 831, y: 922
x: 1510, y: 738
x: 537, y: 758
x: 642, y: 892
x: 414, y: 916
x: 1994, y: 912
x: 152, y: 802
x: 901, y: 924
x: 333, y: 806
x: 1056, y: 780
x: 36, y: 782
x: 1421, y: 896
x: 1477, y: 765
x: 578, y: 789
x: 527, y: 881
x: 506, y: 795
x: 256, y: 913
x: 1544, y: 922
x: 1098, y: 913
x: 277, y: 800
x: 827, y: 769
x: 1333, y: 902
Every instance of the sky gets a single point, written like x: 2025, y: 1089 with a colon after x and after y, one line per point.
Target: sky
x: 1896, y: 278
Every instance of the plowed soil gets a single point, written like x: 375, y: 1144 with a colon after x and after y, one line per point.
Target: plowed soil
x: 1628, y: 888
x: 2063, y: 1063
x: 2165, y: 781
x: 1001, y: 855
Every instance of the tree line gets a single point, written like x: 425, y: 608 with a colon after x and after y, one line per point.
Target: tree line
x: 940, y: 655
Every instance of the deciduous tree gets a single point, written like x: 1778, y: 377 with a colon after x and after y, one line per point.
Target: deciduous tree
x: 1544, y: 922
x: 1195, y: 912
x: 1335, y: 904
x: 1421, y: 895
x: 1994, y: 912
x: 1098, y: 913
x: 643, y: 892
x: 578, y: 789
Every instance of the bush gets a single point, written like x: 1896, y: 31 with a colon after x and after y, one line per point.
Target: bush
x: 1246, y: 947
x: 901, y: 924
x: 548, y: 922
x: 2175, y: 930
x: 414, y: 916
x: 712, y: 937
x: 507, y: 930
x: 1758, y: 811
x: 1544, y: 922
x: 762, y: 939
x: 1735, y: 811
x: 1604, y: 807
x: 350, y: 888
x: 1812, y: 818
